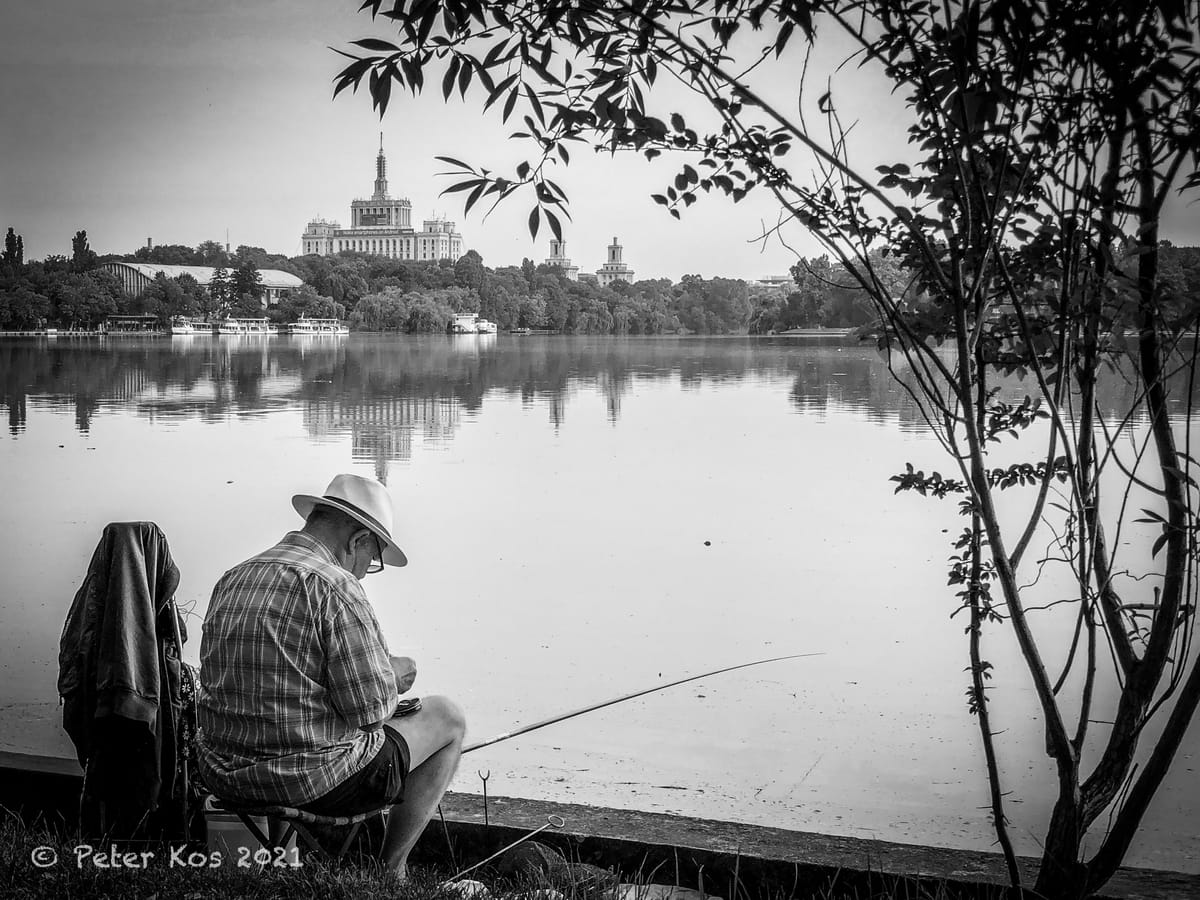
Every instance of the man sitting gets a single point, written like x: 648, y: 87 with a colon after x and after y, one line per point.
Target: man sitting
x: 298, y: 689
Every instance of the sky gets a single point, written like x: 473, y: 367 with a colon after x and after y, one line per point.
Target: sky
x: 181, y: 122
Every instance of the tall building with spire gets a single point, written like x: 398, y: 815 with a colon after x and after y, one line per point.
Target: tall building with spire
x: 614, y: 269
x: 381, y: 225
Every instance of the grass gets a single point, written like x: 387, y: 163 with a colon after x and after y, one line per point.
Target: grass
x: 78, y: 874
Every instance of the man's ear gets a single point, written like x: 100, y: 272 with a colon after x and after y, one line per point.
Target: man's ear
x: 358, y: 536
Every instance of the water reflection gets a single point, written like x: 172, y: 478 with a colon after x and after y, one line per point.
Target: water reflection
x: 742, y: 510
x: 381, y: 429
x: 383, y: 390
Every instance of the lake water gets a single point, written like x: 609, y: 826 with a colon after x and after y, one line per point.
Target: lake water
x: 584, y: 517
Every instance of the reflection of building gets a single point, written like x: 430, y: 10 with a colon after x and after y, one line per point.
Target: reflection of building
x: 136, y: 277
x: 558, y: 258
x: 382, y: 429
x: 382, y: 226
x: 614, y: 269
x: 558, y: 408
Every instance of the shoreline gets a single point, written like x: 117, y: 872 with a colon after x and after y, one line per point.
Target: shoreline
x: 689, y: 849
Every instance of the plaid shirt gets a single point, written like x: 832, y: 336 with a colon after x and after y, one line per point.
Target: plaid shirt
x: 292, y: 663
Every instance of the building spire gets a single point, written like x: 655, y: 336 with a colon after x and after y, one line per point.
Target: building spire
x: 380, y: 173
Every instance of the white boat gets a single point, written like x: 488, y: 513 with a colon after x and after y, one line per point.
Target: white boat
x: 182, y: 326
x: 483, y: 326
x: 465, y: 323
x: 245, y: 326
x: 306, y: 325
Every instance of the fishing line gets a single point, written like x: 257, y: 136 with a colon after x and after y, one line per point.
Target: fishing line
x: 579, y: 712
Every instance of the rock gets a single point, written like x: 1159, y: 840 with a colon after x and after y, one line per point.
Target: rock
x: 546, y: 867
x: 589, y: 878
x: 542, y: 894
x: 532, y: 859
x: 467, y: 889
x: 658, y: 892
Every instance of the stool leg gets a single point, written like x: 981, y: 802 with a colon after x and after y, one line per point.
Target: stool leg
x: 312, y: 843
x: 277, y: 828
x: 263, y: 839
x: 349, y: 840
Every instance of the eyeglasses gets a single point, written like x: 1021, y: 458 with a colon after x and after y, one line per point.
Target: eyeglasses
x: 376, y: 564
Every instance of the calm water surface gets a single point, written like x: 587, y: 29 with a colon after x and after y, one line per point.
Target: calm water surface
x: 583, y: 518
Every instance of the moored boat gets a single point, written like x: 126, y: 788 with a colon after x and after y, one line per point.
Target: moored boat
x: 234, y: 325
x: 465, y: 323
x: 306, y: 325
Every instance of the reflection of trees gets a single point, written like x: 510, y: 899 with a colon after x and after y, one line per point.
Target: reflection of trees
x: 829, y: 377
x: 346, y: 383
x: 13, y: 387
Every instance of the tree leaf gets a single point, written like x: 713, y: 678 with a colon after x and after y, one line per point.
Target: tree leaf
x: 494, y: 93
x: 508, y: 105
x: 474, y: 195
x: 448, y: 78
x: 463, y: 185
x: 1158, y: 545
x: 536, y: 104
x: 464, y: 79
x: 554, y: 225
x: 376, y: 44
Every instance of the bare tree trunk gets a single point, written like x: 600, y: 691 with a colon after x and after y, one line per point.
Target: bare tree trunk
x: 978, y: 615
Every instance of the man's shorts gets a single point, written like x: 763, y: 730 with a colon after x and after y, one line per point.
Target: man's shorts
x: 379, y: 783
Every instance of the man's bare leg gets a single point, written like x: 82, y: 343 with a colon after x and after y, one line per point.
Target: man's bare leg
x: 435, y: 738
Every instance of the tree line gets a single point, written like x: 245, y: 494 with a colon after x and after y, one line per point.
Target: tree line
x: 380, y: 294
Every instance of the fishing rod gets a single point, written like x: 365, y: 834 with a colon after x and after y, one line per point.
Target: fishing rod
x: 579, y: 712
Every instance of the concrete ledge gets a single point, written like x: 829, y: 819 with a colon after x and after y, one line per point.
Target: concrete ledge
x: 767, y: 861
x: 42, y: 765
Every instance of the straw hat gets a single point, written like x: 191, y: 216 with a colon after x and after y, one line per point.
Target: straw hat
x: 366, y: 501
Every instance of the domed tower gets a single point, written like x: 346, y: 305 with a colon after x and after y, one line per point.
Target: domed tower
x: 558, y: 258
x: 615, y: 269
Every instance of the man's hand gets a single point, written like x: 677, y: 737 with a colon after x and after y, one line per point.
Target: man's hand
x: 405, y: 670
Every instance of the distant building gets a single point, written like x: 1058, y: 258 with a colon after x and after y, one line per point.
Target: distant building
x: 773, y: 281
x: 136, y: 277
x: 382, y: 226
x: 615, y: 269
x: 558, y: 258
